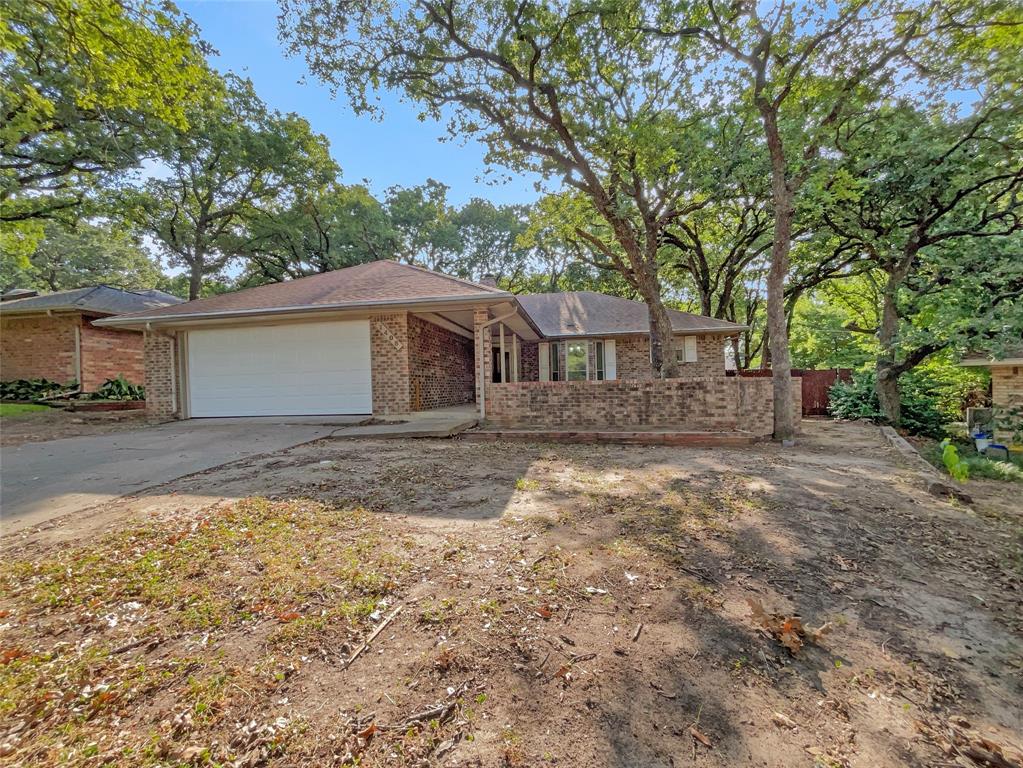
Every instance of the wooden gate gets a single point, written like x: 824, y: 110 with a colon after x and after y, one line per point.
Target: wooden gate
x: 815, y: 386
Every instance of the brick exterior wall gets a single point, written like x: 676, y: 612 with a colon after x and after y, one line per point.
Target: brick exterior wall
x: 389, y: 354
x: 44, y: 347
x: 38, y: 347
x: 441, y: 366
x: 716, y: 403
x: 1006, y: 392
x: 108, y: 353
x: 529, y: 361
x: 162, y: 387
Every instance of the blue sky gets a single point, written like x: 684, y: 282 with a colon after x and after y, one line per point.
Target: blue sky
x: 399, y: 150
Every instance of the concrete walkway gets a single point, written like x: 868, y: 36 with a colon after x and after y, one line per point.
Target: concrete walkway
x: 440, y: 422
x: 42, y: 481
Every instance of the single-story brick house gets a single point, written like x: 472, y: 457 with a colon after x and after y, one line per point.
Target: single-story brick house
x: 386, y: 338
x: 52, y: 336
x: 1006, y: 386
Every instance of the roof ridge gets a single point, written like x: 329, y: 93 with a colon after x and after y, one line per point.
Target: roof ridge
x: 446, y: 276
x: 88, y: 293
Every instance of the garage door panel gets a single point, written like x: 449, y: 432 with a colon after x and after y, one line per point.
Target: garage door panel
x: 284, y: 370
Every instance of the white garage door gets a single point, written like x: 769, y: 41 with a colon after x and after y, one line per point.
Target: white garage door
x: 280, y: 370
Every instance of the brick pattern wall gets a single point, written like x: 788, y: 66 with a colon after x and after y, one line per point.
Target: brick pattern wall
x: 108, y: 353
x: 441, y: 366
x: 160, y: 377
x: 389, y: 351
x: 529, y: 361
x: 716, y: 403
x: 633, y: 354
x: 1006, y: 392
x: 38, y: 347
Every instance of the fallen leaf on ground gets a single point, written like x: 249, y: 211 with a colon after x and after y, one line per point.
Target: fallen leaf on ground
x: 697, y: 734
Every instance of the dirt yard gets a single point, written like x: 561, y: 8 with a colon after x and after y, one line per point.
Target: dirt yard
x: 524, y: 605
x: 55, y: 423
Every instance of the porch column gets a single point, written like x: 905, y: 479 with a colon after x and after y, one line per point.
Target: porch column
x: 484, y: 356
x: 515, y: 357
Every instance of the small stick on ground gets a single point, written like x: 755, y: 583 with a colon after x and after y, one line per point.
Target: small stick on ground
x: 372, y: 637
x: 635, y: 635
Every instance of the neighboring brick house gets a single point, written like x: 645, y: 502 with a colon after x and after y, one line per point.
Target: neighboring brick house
x: 386, y: 338
x: 52, y: 336
x: 1006, y: 390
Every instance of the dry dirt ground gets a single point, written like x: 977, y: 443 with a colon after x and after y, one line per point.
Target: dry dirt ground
x: 526, y: 605
x: 56, y: 423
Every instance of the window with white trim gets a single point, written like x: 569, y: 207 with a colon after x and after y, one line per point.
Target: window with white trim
x: 555, y: 359
x: 576, y: 362
x: 598, y: 360
x: 685, y: 351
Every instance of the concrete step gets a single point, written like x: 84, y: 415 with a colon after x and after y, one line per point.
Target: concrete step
x: 651, y: 437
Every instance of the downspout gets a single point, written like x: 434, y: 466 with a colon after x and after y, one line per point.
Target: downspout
x: 483, y: 361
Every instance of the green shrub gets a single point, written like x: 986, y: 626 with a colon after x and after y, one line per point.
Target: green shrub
x: 31, y: 389
x: 956, y: 467
x: 856, y: 399
x: 119, y: 389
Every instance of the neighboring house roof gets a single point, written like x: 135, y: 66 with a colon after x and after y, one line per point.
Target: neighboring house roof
x: 100, y: 299
x: 1012, y: 356
x: 585, y: 313
x: 364, y: 285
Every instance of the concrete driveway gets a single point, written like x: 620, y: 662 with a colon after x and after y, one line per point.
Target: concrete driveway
x: 42, y: 481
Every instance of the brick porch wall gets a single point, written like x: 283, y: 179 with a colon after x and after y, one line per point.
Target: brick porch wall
x: 717, y: 403
x: 38, y: 348
x: 108, y: 353
x: 441, y: 366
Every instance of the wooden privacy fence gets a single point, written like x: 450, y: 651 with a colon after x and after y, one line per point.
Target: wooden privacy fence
x: 815, y: 386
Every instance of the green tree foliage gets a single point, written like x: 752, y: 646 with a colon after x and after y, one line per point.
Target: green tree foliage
x: 489, y: 241
x: 330, y: 228
x: 83, y: 255
x: 235, y: 158
x: 88, y: 88
x: 424, y: 223
x: 934, y: 204
x: 572, y: 93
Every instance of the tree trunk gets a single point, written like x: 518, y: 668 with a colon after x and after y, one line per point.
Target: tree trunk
x: 662, y: 343
x: 195, y: 278
x: 887, y: 384
x: 777, y: 328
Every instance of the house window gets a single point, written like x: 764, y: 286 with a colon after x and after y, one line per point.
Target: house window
x: 680, y: 354
x: 598, y: 359
x: 555, y: 353
x: 576, y: 364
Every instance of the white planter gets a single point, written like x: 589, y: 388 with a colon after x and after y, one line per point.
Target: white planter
x: 982, y: 443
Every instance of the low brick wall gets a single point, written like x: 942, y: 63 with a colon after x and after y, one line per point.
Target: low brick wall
x: 717, y: 403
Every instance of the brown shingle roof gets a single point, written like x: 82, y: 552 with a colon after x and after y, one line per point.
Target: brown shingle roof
x: 585, y: 313
x: 101, y: 299
x: 376, y: 281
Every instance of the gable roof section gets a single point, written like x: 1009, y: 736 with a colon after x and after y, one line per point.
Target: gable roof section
x: 585, y: 313
x: 1010, y: 356
x: 101, y: 299
x: 376, y: 282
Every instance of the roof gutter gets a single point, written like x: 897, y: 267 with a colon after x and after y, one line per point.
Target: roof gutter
x: 169, y: 319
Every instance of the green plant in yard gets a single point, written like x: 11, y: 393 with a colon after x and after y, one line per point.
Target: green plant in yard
x: 119, y: 389
x: 857, y: 399
x: 956, y: 467
x: 31, y: 389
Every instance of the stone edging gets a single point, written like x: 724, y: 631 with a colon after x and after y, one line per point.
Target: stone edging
x: 932, y: 480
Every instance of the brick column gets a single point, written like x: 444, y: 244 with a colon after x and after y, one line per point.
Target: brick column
x: 484, y: 345
x: 160, y: 377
